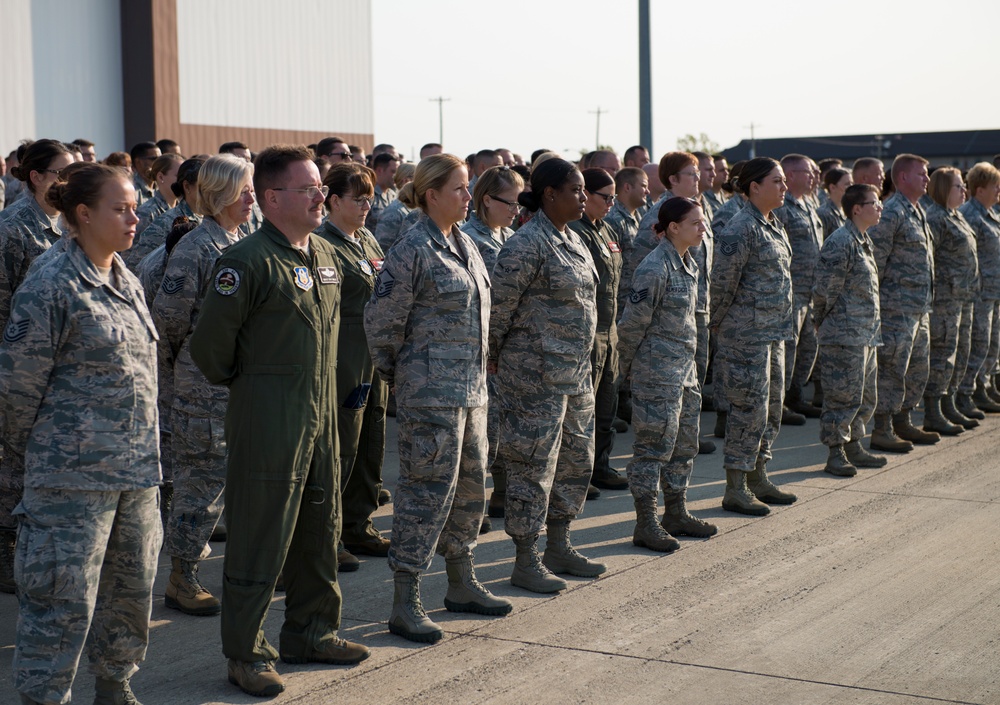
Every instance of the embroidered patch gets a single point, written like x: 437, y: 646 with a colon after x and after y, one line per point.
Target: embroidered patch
x: 728, y: 247
x: 613, y: 246
x: 303, y: 279
x: 227, y: 281
x: 366, y: 267
x: 377, y: 263
x: 16, y: 330
x: 637, y: 296
x: 384, y: 284
x: 327, y: 275
x: 172, y: 285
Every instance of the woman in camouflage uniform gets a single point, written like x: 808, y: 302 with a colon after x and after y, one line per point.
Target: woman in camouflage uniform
x: 78, y: 388
x: 658, y: 340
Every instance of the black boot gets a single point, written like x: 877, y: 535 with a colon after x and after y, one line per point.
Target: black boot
x: 720, y: 424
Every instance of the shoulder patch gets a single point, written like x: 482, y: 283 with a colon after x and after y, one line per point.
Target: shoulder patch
x: 16, y: 330
x: 384, y: 283
x: 227, y: 281
x: 172, y: 285
x: 635, y: 296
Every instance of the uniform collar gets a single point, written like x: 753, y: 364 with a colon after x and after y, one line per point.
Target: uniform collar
x: 220, y: 237
x: 41, y: 217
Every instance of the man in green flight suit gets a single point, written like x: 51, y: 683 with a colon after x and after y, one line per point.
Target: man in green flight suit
x: 268, y: 330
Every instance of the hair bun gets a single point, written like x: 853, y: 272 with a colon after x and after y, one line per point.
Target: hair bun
x: 54, y: 196
x: 530, y: 200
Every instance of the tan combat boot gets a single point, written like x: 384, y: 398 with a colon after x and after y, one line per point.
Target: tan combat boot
x: 408, y: 618
x: 185, y: 593
x: 838, y: 464
x: 561, y: 557
x: 258, y: 678
x: 738, y: 497
x: 764, y: 489
x: 529, y: 571
x: 109, y: 692
x: 678, y: 521
x: 905, y: 429
x: 884, y: 438
x: 861, y: 458
x: 467, y: 594
x: 648, y: 532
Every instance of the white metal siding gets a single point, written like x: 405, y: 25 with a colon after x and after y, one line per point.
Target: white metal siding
x: 302, y: 65
x: 78, y: 71
x: 17, y: 95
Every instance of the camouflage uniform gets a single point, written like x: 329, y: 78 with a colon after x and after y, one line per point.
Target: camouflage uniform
x: 391, y: 224
x: 714, y: 202
x: 733, y: 205
x: 645, y: 241
x: 805, y: 234
x: 489, y: 247
x: 956, y: 288
x: 846, y: 312
x: 659, y: 339
x: 143, y: 192
x: 156, y: 234
x: 26, y: 231
x: 268, y: 330
x: 626, y: 226
x: 15, y: 190
x: 542, y: 331
x: 78, y: 389
x: 751, y: 289
x: 381, y: 201
x: 363, y: 394
x: 606, y: 253
x: 832, y: 216
x: 704, y: 257
x: 198, y: 408
x: 486, y: 240
x: 427, y: 323
x: 985, y: 345
x: 150, y: 275
x: 902, y: 245
x: 150, y: 211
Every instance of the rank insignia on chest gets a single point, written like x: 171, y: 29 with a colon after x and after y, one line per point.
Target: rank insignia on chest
x: 377, y: 264
x: 303, y: 279
x: 366, y: 267
x: 613, y: 246
x: 327, y: 275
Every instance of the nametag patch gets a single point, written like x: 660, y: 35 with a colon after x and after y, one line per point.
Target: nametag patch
x: 327, y: 275
x: 303, y: 279
x: 613, y: 246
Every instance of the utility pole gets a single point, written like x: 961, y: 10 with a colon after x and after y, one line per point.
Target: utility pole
x: 645, y: 80
x: 597, y: 138
x: 440, y: 101
x: 753, y: 140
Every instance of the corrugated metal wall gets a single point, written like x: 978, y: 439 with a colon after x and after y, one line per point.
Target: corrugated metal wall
x: 302, y: 65
x: 17, y: 96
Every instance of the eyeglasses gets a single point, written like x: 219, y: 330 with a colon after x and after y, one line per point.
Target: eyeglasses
x: 877, y: 204
x: 50, y: 171
x: 608, y: 198
x: 312, y: 191
x: 696, y: 174
x: 361, y: 201
x: 344, y: 156
x: 512, y: 207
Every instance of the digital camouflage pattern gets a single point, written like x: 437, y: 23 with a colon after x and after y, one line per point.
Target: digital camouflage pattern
x: 26, y: 231
x: 156, y: 233
x: 488, y: 242
x: 542, y: 331
x: 381, y: 201
x: 985, y: 345
x: 391, y: 224
x: 832, y: 216
x: 658, y: 344
x: 845, y: 291
x: 850, y: 378
x: 150, y: 211
x: 733, y: 205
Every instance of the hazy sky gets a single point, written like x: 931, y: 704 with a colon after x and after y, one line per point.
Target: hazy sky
x: 527, y: 74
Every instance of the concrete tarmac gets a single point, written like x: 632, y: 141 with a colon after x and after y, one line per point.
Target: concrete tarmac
x: 880, y: 589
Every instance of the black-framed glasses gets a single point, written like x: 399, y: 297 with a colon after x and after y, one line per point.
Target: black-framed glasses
x: 361, y: 201
x: 877, y: 204
x: 312, y: 191
x: 609, y: 198
x: 510, y: 206
x: 344, y: 156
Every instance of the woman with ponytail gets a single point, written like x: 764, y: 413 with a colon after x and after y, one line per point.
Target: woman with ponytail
x: 78, y: 403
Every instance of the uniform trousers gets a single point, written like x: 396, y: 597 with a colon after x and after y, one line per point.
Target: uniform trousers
x: 84, y: 568
x: 199, y: 445
x: 665, y: 421
x: 362, y: 452
x: 985, y: 346
x: 800, y: 352
x: 951, y: 340
x: 849, y: 374
x: 604, y: 363
x: 441, y: 493
x: 903, y: 361
x: 753, y: 380
x: 547, y: 451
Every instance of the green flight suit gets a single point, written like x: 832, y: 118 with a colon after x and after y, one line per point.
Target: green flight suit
x: 268, y: 330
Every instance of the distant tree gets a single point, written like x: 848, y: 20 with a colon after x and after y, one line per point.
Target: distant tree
x: 704, y: 143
